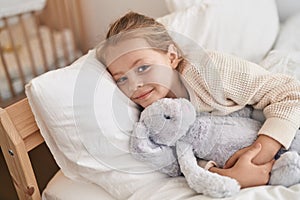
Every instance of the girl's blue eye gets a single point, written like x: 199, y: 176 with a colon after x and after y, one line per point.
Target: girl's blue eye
x: 143, y: 68
x: 121, y: 80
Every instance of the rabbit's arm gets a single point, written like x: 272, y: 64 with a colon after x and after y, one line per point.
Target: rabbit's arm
x: 201, y: 180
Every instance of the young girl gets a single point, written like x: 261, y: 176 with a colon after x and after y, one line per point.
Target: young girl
x: 148, y: 65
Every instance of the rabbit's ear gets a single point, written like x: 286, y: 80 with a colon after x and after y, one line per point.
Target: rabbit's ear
x: 140, y: 130
x: 140, y: 141
x: 188, y: 112
x: 159, y: 157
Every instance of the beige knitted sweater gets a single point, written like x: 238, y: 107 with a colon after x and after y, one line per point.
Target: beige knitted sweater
x: 222, y: 83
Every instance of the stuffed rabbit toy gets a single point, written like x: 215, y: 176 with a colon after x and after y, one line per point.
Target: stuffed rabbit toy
x: 171, y: 137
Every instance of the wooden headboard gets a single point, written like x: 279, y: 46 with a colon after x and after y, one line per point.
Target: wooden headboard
x: 36, y: 41
x: 19, y: 134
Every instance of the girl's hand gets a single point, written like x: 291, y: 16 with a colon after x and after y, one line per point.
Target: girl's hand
x: 235, y: 157
x: 245, y: 171
x: 269, y: 149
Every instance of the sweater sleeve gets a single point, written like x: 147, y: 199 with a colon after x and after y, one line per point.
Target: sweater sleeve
x: 278, y: 95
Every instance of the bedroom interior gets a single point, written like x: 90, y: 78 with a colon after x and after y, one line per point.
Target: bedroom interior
x: 82, y: 35
x: 35, y: 40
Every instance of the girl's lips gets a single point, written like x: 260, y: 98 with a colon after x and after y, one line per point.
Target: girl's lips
x: 144, y: 95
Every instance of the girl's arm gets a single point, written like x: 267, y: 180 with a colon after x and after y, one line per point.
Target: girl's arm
x: 246, y: 83
x: 245, y: 171
x: 269, y: 149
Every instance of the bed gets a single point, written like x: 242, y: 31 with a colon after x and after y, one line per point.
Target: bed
x: 92, y: 154
x: 31, y: 44
x: 22, y: 135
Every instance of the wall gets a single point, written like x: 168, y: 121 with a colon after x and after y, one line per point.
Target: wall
x: 98, y: 14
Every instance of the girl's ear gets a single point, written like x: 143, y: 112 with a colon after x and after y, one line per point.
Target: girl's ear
x: 173, y: 56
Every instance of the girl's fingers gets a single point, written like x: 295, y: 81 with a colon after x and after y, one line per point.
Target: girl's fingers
x: 247, y: 154
x: 252, y: 152
x: 269, y: 165
x: 231, y: 161
x: 266, y: 171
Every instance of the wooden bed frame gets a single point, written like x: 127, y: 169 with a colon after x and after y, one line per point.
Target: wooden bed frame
x: 19, y: 135
x: 58, y: 16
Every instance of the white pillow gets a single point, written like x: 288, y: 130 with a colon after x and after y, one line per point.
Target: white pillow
x: 86, y: 121
x: 285, y: 57
x: 245, y: 28
x: 289, y: 35
x: 175, y: 5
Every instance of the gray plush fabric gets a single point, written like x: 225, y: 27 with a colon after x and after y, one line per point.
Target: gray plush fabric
x: 171, y: 136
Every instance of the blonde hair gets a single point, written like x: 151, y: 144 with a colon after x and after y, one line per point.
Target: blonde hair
x: 135, y: 25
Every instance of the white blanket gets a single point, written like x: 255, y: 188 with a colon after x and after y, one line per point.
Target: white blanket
x: 177, y: 188
x: 166, y: 188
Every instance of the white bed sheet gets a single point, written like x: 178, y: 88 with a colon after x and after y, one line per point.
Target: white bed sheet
x: 62, y: 188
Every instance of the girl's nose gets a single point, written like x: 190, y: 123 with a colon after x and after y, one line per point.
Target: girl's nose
x: 135, y: 83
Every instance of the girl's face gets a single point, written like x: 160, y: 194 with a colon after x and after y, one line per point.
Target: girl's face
x: 145, y: 75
